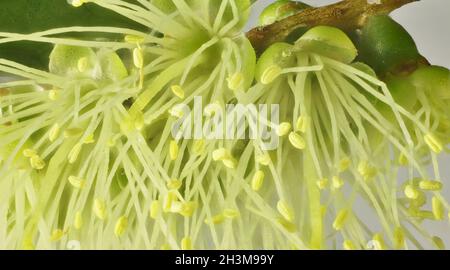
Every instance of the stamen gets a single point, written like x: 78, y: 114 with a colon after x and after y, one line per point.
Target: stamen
x: 297, y: 141
x: 403, y: 160
x: 434, y: 143
x: 173, y: 150
x: 217, y: 219
x: 178, y: 91
x: 100, y: 209
x: 338, y: 183
x: 121, y: 226
x: 78, y: 222
x: 132, y: 39
x: 366, y: 170
x: 54, y: 94
x: 188, y: 209
x: 90, y: 139
x: 83, y: 64
x: 186, y: 243
x: 37, y: 163
x: 171, y: 197
x: 174, y: 184
x: 438, y: 243
x: 138, y: 58
x: 199, y: 147
x: 399, y: 238
x: 322, y: 184
x: 264, y: 159
x: 303, y: 123
x: 29, y: 153
x: 348, y: 245
x: 340, y: 220
x: 54, y: 132
x: 73, y: 154
x: 285, y: 210
x: 378, y: 242
x: 270, y: 74
x: 438, y: 208
x: 231, y: 213
x: 220, y: 154
x: 155, y: 209
x: 77, y: 182
x: 78, y: 3
x: 235, y: 81
x: 344, y: 164
x: 411, y: 192
x: 176, y: 112
x: 258, y: 180
x: 73, y: 132
x: 284, y: 129
x: 56, y: 235
x: 430, y: 185
x: 288, y: 225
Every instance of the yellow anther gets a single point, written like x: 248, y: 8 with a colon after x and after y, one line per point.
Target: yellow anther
x: 403, y: 160
x: 414, y: 212
x: 121, y: 226
x: 53, y: 94
x: 171, y: 197
x: 230, y: 163
x: 99, y: 209
x: 434, y: 143
x: 165, y: 247
x: 287, y: 225
x: 56, y: 235
x: 83, y: 64
x: 302, y: 124
x: 28, y: 244
x: 271, y: 74
x: 78, y: 3
x: 220, y: 154
x: 90, y: 139
x: 338, y: 183
x: 174, y: 184
x: 420, y: 201
x: 235, y: 81
x: 217, y: 219
x: 340, y: 220
x: 438, y: 208
x: 366, y: 170
x: 231, y: 213
x: 77, y: 182
x: 132, y: 39
x: 186, y: 243
x: 138, y: 58
x: 257, y: 180
x: 297, y: 140
x: 411, y: 192
x: 188, y: 209
x: 344, y: 164
x: 37, y: 163
x: 176, y: 112
x: 349, y: 245
x: 155, y: 208
x: 264, y: 159
x: 173, y: 150
x: 198, y: 147
x: 399, y: 238
x: 139, y: 120
x: 72, y: 132
x: 29, y: 153
x: 322, y: 184
x: 438, y: 243
x: 78, y: 222
x: 285, y: 210
x: 74, y: 153
x: 284, y: 129
x: 430, y: 185
x: 178, y: 91
x: 378, y: 242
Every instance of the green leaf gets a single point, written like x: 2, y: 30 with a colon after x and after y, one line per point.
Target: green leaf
x: 28, y: 16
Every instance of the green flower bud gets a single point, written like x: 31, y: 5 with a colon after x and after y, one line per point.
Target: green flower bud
x: 276, y: 57
x: 385, y: 45
x: 328, y: 41
x: 279, y: 10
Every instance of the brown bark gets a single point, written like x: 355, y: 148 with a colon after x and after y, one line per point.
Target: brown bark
x: 347, y: 15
